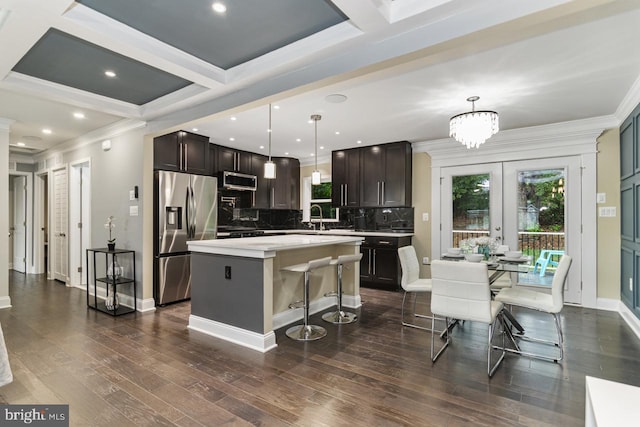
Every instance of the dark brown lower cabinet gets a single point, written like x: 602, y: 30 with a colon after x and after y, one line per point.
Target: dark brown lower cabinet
x: 380, y: 266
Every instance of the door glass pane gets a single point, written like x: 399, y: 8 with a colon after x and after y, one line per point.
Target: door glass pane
x: 470, y: 195
x: 541, y: 222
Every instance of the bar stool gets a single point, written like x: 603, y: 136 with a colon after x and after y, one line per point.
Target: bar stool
x: 339, y: 317
x: 307, y: 332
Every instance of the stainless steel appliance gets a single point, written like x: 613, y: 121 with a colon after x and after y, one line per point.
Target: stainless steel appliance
x: 239, y: 181
x: 185, y: 209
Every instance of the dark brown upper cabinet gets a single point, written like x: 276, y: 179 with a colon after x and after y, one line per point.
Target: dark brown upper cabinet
x: 375, y: 176
x: 345, y: 177
x: 230, y: 160
x: 285, y: 189
x: 182, y: 151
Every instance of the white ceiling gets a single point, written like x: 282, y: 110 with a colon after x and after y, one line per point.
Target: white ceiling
x: 405, y: 66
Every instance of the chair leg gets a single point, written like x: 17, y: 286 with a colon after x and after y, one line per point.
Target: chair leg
x: 446, y: 334
x: 492, y: 326
x: 422, y: 316
x: 559, y: 343
x: 306, y: 332
x: 339, y: 316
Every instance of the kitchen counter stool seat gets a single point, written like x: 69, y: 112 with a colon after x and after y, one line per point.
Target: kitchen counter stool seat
x: 339, y: 316
x: 307, y: 332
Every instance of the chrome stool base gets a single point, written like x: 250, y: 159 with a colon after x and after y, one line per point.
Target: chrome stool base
x: 306, y: 332
x: 339, y: 317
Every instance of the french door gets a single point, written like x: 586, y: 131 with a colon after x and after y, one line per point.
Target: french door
x: 532, y: 206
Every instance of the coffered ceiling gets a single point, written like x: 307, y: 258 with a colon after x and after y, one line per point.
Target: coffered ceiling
x: 403, y: 67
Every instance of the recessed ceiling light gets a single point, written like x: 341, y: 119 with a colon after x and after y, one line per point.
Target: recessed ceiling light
x: 276, y: 107
x: 20, y: 144
x: 335, y: 98
x: 78, y: 115
x: 110, y: 73
x: 262, y: 147
x: 232, y: 139
x: 46, y: 131
x: 337, y: 132
x: 322, y: 147
x: 359, y: 142
x: 311, y: 154
x: 286, y: 153
x: 219, y: 7
x: 195, y: 129
x: 298, y: 140
x: 233, y: 118
x: 310, y: 121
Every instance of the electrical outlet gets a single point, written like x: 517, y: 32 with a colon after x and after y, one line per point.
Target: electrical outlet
x: 227, y: 272
x: 425, y: 216
x: 425, y: 260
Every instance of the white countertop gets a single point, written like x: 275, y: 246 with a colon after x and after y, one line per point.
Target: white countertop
x: 341, y: 233
x: 267, y: 246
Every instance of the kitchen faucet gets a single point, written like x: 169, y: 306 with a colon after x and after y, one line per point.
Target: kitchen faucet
x: 319, y: 209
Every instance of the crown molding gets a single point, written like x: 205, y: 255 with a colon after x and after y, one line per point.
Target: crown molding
x: 557, y: 139
x: 98, y: 135
x: 629, y: 102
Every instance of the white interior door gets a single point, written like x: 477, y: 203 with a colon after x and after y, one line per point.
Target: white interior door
x: 79, y: 204
x: 60, y: 252
x: 19, y: 224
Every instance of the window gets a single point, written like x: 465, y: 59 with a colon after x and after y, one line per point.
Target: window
x: 319, y: 195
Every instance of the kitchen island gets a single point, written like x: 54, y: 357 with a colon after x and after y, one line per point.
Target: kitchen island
x: 240, y: 294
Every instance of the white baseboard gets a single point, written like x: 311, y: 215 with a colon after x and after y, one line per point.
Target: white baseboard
x: 630, y: 318
x: 351, y: 301
x: 147, y: 305
x: 624, y: 311
x: 144, y: 305
x: 5, y: 302
x: 252, y: 340
x: 608, y: 304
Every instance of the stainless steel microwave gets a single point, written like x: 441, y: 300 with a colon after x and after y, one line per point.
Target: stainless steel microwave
x: 239, y: 181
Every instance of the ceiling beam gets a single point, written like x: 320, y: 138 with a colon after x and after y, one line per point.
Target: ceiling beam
x: 367, y: 15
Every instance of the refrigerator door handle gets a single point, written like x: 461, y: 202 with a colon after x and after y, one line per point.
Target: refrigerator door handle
x: 194, y: 213
x: 187, y: 212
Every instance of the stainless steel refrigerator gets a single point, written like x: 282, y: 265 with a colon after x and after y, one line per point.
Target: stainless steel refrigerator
x: 185, y: 209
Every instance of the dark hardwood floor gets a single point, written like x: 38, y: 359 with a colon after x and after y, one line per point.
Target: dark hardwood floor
x: 151, y: 370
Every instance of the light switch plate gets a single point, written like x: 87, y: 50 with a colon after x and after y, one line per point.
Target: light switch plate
x: 425, y: 216
x: 601, y: 198
x: 132, y: 195
x: 133, y: 210
x: 607, y: 212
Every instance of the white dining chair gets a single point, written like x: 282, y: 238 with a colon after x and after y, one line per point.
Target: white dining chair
x: 460, y: 290
x: 540, y: 301
x: 412, y: 283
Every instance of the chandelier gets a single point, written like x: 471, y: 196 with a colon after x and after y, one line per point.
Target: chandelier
x: 473, y: 128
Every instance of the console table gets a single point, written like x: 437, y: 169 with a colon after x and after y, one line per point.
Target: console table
x: 117, y: 286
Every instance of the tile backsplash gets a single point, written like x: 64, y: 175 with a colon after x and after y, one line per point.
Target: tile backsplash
x: 369, y: 219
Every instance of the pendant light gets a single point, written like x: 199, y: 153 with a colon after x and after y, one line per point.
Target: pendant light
x: 315, y: 175
x: 474, y: 127
x: 269, y: 166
